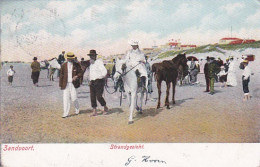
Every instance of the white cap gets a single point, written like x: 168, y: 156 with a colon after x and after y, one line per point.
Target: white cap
x: 134, y: 42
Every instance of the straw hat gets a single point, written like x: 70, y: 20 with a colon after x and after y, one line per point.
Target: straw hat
x: 70, y: 55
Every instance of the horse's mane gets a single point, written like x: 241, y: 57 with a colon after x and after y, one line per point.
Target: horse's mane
x: 178, y: 57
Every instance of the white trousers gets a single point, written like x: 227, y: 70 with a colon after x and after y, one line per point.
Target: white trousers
x: 69, y: 93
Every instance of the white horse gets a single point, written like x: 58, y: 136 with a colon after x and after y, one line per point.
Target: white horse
x: 53, y: 65
x: 131, y: 86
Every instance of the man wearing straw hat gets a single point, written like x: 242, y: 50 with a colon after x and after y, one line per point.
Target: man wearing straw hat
x: 97, y: 73
x: 70, y: 74
x: 36, y: 68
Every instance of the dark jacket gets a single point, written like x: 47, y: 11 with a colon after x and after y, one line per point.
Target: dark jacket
x: 206, y: 70
x: 213, y: 69
x: 61, y: 59
x: 35, y: 66
x: 76, y: 71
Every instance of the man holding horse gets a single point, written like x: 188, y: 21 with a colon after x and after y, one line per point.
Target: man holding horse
x: 97, y: 73
x: 136, y: 60
x: 70, y: 74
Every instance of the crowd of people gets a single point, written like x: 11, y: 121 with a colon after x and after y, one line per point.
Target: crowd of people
x: 72, y: 71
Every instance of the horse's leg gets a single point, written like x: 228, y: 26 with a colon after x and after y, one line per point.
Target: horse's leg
x: 129, y: 98
x: 136, y: 103
x: 168, y: 85
x: 173, y: 91
x: 141, y: 103
x: 159, y: 82
x: 133, y: 100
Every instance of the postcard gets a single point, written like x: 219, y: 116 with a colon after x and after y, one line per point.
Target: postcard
x: 130, y: 83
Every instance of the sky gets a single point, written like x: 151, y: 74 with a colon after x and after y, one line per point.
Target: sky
x: 46, y: 28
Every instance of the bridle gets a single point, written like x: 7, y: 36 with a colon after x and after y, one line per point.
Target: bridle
x: 124, y: 73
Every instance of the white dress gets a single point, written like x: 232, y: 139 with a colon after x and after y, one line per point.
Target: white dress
x: 231, y: 77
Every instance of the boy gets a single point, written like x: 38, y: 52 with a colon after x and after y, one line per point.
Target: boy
x: 10, y: 74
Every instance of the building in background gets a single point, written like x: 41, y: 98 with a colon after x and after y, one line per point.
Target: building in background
x: 234, y: 41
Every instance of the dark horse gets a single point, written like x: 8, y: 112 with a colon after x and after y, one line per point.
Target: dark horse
x: 168, y: 71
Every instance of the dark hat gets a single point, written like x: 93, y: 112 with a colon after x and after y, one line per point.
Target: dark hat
x: 35, y: 58
x: 92, y: 53
x: 212, y: 58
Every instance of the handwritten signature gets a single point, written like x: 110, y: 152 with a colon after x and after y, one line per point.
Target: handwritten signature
x: 144, y: 159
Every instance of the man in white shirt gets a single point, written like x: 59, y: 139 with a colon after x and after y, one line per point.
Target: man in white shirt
x: 10, y: 74
x: 245, y: 80
x: 70, y: 75
x: 136, y: 59
x: 97, y: 73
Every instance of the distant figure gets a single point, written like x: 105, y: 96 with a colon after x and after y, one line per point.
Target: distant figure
x: 226, y: 65
x: 201, y: 65
x: 70, y: 74
x: 81, y: 64
x: 10, y: 74
x: 206, y: 73
x: 220, y: 62
x: 231, y: 77
x: 193, y: 71
x: 222, y: 76
x: 150, y: 77
x: 61, y: 60
x: 36, y: 68
x: 245, y: 80
x: 213, y: 69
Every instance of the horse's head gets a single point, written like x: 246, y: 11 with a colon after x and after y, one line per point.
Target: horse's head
x: 181, y: 60
x: 54, y: 63
x: 120, y: 68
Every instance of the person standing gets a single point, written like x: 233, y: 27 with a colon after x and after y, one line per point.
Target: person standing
x: 213, y: 69
x: 70, y: 74
x: 222, y: 77
x: 97, y: 74
x: 36, y: 68
x: 82, y: 64
x: 206, y: 73
x: 231, y: 77
x: 193, y: 71
x: 245, y: 80
x: 61, y: 60
x: 220, y: 62
x: 10, y: 74
x: 150, y: 75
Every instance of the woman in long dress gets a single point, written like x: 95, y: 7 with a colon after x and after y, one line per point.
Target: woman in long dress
x: 231, y: 77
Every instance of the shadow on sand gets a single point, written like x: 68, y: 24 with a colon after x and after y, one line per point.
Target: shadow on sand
x: 18, y: 86
x: 179, y: 102
x: 115, y: 110
x: 45, y: 85
x: 147, y: 112
x: 82, y: 97
x: 82, y: 92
